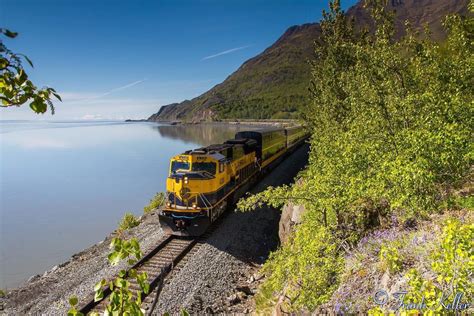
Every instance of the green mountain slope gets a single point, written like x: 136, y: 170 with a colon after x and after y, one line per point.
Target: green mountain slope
x: 274, y: 83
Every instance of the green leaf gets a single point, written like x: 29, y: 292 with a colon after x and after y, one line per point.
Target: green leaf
x: 9, y: 33
x: 29, y: 61
x: 99, y: 295
x: 146, y: 288
x: 135, y: 244
x: 99, y: 285
x: 114, y: 258
x: 132, y: 273
x: 36, y: 106
x: 72, y: 312
x: 57, y: 96
x: 73, y: 300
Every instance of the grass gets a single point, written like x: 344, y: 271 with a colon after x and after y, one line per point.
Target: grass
x: 157, y: 201
x: 128, y: 221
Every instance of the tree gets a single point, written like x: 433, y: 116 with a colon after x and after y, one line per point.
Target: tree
x: 15, y: 87
x: 391, y: 127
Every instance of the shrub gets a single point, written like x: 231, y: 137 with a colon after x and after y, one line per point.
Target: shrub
x: 305, y: 270
x: 123, y: 299
x: 157, y: 201
x: 390, y: 258
x: 391, y: 133
x: 128, y: 221
x: 451, y: 261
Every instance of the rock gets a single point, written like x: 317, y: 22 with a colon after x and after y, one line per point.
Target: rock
x: 258, y: 276
x: 34, y: 278
x: 244, y: 289
x: 242, y: 296
x: 384, y: 281
x: 290, y: 216
x: 233, y: 299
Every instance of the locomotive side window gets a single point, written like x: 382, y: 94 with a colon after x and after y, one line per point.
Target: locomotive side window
x: 204, y: 166
x: 179, y: 165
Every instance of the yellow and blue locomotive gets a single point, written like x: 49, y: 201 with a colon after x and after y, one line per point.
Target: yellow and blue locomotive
x: 204, y: 181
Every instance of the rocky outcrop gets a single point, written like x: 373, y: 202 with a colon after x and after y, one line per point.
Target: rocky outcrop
x: 291, y: 215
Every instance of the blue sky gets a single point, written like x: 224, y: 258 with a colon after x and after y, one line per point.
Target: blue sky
x: 124, y: 59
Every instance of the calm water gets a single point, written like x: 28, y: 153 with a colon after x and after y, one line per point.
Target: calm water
x: 65, y: 185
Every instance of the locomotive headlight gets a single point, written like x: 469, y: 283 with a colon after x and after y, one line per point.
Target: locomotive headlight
x: 186, y: 180
x: 168, y: 204
x: 194, y: 205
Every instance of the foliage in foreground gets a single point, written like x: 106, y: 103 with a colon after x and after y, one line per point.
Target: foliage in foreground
x: 15, y: 87
x: 391, y: 135
x: 452, y: 261
x: 305, y: 270
x: 122, y: 300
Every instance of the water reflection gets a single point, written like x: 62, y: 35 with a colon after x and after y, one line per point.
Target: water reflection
x: 202, y: 134
x: 65, y: 185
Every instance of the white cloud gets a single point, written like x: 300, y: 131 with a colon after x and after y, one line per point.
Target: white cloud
x: 225, y: 52
x: 92, y: 117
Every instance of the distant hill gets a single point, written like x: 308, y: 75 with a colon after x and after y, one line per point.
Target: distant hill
x: 274, y: 83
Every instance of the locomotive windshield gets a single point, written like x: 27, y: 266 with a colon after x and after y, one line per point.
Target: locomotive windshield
x: 179, y: 165
x: 204, y: 166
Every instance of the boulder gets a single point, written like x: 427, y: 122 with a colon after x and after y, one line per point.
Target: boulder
x: 290, y: 216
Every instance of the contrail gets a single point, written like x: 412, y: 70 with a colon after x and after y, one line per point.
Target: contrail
x: 225, y: 52
x: 117, y: 89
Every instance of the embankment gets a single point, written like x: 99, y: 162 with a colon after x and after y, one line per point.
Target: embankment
x: 219, y: 277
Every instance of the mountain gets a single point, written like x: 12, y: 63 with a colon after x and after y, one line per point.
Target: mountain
x: 274, y: 83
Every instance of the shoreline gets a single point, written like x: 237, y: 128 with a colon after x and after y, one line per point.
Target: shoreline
x: 227, y: 263
x: 264, y: 122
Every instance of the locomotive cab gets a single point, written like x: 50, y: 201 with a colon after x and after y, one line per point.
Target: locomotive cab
x: 202, y: 182
x: 199, y: 184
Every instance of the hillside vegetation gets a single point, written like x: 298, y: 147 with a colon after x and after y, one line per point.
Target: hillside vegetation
x: 274, y: 84
x: 391, y: 127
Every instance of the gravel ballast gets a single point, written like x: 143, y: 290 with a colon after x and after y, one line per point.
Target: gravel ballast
x: 221, y: 276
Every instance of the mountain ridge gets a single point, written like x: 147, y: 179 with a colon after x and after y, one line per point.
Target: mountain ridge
x: 273, y: 84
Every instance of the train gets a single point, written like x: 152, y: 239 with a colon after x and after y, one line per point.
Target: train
x: 202, y: 183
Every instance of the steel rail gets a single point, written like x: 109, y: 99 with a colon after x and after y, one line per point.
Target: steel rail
x: 157, y: 264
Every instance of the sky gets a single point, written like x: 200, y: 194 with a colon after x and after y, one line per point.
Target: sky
x: 113, y: 59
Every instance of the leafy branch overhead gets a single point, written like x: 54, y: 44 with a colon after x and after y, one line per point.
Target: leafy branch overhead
x: 15, y: 87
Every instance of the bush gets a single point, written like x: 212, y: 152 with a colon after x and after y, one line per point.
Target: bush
x: 391, y: 133
x: 128, y: 221
x: 305, y: 270
x: 157, y: 201
x: 451, y: 263
x: 390, y: 259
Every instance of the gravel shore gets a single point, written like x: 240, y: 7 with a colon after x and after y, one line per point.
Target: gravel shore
x: 221, y: 276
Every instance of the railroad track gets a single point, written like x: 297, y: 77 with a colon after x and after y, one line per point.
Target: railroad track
x: 157, y: 264
x: 163, y: 261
